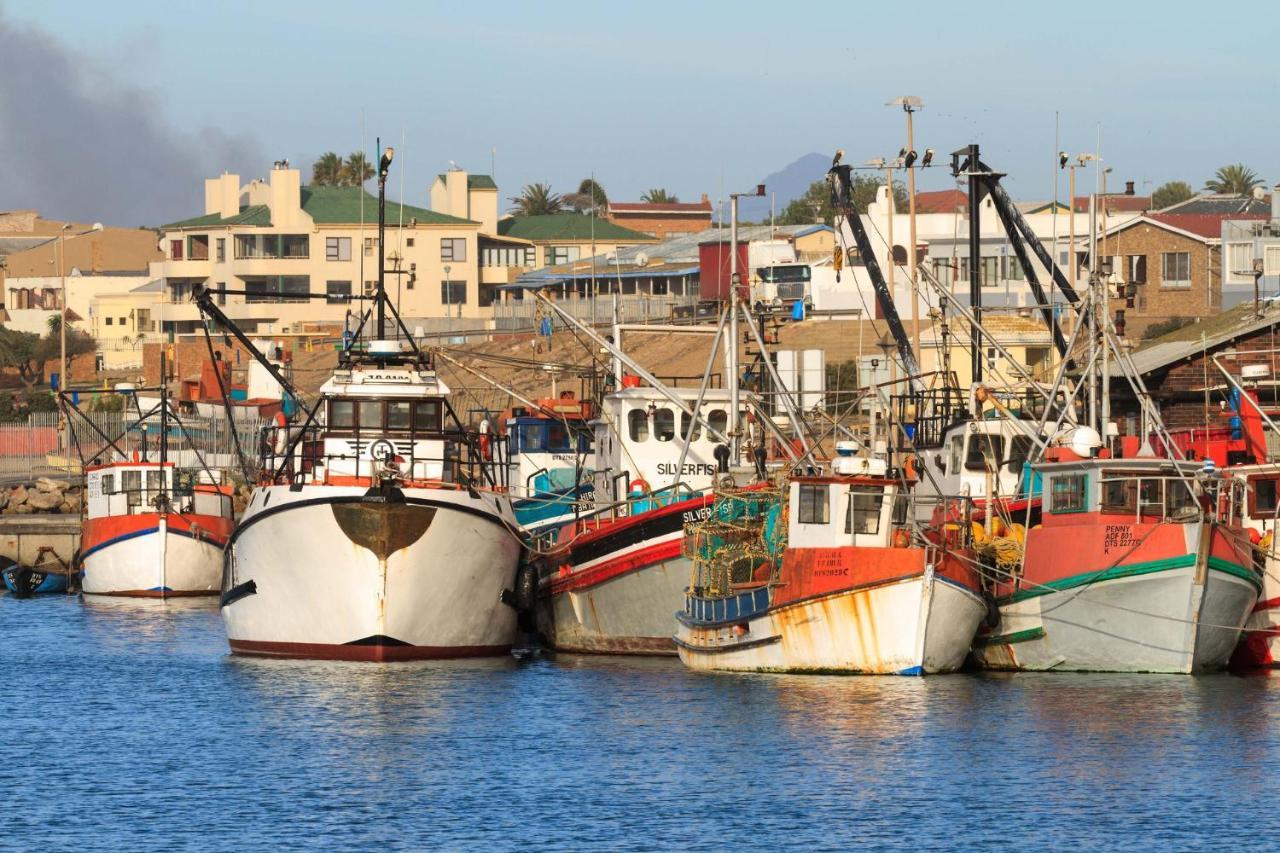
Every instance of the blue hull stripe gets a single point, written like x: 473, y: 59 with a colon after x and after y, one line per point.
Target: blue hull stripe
x: 144, y: 532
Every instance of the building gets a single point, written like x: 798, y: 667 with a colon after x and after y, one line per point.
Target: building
x: 660, y: 219
x: 1251, y: 252
x: 290, y: 255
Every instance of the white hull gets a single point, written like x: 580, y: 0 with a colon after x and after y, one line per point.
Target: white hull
x: 424, y: 579
x: 629, y: 614
x: 918, y: 626
x: 1158, y: 622
x: 158, y: 564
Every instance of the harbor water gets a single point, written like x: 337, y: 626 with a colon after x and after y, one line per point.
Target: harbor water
x: 130, y: 727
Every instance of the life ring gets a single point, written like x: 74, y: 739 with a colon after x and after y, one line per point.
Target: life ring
x: 639, y: 486
x: 281, y: 425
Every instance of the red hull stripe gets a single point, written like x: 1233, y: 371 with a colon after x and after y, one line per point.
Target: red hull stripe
x: 631, y: 561
x: 374, y: 653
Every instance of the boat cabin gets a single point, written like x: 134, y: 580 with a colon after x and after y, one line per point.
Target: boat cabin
x: 549, y: 449
x: 136, y: 488
x: 1141, y: 490
x: 858, y: 504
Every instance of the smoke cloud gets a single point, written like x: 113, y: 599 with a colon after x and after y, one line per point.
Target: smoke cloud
x: 77, y: 144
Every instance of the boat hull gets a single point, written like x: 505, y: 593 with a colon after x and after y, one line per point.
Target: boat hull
x: 339, y: 573
x: 911, y: 626
x: 1260, y: 646
x: 615, y: 589
x: 153, y: 555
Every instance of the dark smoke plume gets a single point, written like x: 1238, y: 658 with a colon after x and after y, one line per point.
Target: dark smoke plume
x: 77, y: 144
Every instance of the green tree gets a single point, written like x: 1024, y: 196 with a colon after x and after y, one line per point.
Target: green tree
x: 1171, y: 193
x: 537, y: 200
x: 815, y: 204
x: 356, y: 170
x: 1236, y: 179
x: 659, y: 196
x: 327, y: 171
x: 590, y: 197
x: 26, y: 353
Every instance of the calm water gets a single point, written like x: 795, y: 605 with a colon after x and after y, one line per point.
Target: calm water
x: 129, y: 726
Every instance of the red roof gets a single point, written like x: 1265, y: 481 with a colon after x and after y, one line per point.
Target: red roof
x: 703, y: 207
x: 1208, y: 225
x: 1116, y: 202
x: 941, y: 201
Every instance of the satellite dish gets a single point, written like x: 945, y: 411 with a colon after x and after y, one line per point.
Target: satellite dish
x: 1259, y: 193
x: 641, y: 259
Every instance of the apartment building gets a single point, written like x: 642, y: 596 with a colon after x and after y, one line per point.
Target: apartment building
x: 294, y: 257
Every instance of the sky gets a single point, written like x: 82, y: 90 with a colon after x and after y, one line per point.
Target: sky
x: 116, y: 112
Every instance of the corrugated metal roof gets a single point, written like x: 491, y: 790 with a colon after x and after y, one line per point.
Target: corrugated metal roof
x: 1206, y: 334
x: 1222, y: 205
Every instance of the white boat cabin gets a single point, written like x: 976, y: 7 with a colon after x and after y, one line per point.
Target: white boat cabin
x: 636, y: 439
x: 135, y: 488
x: 377, y: 418
x: 857, y: 505
x: 549, y: 454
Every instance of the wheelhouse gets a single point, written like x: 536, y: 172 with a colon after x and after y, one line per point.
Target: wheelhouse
x: 136, y: 488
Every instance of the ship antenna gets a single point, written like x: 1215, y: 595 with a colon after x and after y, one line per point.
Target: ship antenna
x: 380, y: 298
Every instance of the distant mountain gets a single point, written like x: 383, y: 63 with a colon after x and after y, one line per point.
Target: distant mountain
x: 789, y: 184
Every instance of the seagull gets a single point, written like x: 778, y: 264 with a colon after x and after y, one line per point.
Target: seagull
x: 835, y: 161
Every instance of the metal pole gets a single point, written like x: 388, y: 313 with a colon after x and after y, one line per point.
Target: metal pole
x: 731, y: 356
x: 697, y: 406
x: 975, y: 264
x: 383, y: 163
x: 797, y: 423
x: 1072, y: 267
x: 62, y: 331
x: 911, y: 249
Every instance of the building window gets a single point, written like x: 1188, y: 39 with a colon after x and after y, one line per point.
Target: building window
x: 108, y: 321
x: 453, y: 249
x: 222, y: 293
x: 337, y: 292
x: 222, y: 249
x: 337, y: 248
x: 518, y: 256
x: 562, y: 254
x: 453, y: 292
x: 1175, y: 269
x: 864, y: 509
x: 1240, y: 262
x: 1271, y: 260
x: 1067, y: 494
x: 277, y: 288
x: 1135, y: 269
x: 124, y: 321
x: 175, y: 250
x: 990, y: 272
x: 813, y: 507
x: 638, y: 424
x: 370, y: 287
x: 408, y: 241
x: 368, y: 246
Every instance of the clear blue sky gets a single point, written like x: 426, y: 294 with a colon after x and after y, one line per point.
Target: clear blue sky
x: 691, y: 96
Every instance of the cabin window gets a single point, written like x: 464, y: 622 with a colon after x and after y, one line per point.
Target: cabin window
x: 108, y: 484
x: 131, y: 481
x: 985, y: 451
x: 638, y: 421
x: 532, y: 438
x: 342, y: 414
x: 718, y: 421
x: 864, y: 509
x: 1179, y: 502
x: 664, y: 424
x: 558, y: 437
x: 426, y: 415
x: 685, y: 421
x: 957, y: 453
x: 398, y: 414
x: 1068, y: 493
x: 1019, y: 451
x: 813, y: 504
x: 155, y: 481
x: 370, y: 414
x: 1264, y: 498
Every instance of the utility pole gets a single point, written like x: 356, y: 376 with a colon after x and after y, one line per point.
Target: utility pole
x: 731, y: 358
x: 910, y: 104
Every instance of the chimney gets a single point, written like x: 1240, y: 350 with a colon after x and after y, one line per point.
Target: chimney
x: 705, y: 200
x: 1128, y: 187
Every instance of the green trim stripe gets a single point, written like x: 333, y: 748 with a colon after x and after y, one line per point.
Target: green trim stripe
x: 1009, y: 639
x: 1132, y: 570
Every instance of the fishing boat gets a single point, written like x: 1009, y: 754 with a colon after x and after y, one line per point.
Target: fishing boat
x: 1260, y: 646
x: 152, y: 531
x: 24, y: 580
x: 551, y: 461
x: 379, y: 530
x: 1139, y: 565
x: 829, y: 576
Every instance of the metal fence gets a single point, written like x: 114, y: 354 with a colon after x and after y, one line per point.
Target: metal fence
x: 33, y: 448
x: 524, y: 314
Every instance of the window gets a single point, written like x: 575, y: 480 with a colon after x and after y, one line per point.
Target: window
x: 519, y: 256
x: 684, y: 427
x: 985, y: 451
x: 638, y: 423
x: 1264, y: 498
x: 453, y: 249
x: 864, y: 509
x: 957, y: 454
x: 408, y: 242
x: 108, y: 321
x: 337, y: 248
x: 368, y: 246
x: 813, y: 507
x: 123, y: 321
x: 222, y: 293
x: 1175, y: 269
x: 198, y: 247
x: 108, y: 484
x: 453, y: 292
x: 990, y: 272
x: 398, y: 413
x: 342, y: 414
x: 337, y: 292
x: 154, y: 482
x: 664, y: 424
x: 1240, y: 262
x: 295, y: 246
x: 277, y: 288
x: 369, y: 413
x: 1135, y: 269
x: 426, y: 415
x: 370, y: 287
x: 718, y: 420
x: 1271, y: 260
x: 131, y: 481
x: 1019, y: 450
x: 1067, y: 493
x: 222, y: 249
x: 1012, y: 269
x: 562, y: 254
x: 175, y: 250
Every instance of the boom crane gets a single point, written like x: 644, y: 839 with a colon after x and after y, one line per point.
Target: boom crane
x: 842, y: 200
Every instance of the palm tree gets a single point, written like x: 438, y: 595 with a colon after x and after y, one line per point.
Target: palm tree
x: 537, y: 200
x: 659, y: 196
x: 327, y: 170
x: 1237, y: 179
x: 356, y: 170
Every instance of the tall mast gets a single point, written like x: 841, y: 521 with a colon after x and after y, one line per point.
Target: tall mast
x: 975, y: 261
x: 731, y: 357
x: 384, y: 164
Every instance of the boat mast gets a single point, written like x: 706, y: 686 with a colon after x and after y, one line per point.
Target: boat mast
x: 380, y: 297
x: 731, y: 357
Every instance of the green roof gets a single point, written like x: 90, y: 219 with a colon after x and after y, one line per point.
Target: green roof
x: 567, y: 226
x: 476, y: 182
x: 257, y: 214
x: 341, y: 206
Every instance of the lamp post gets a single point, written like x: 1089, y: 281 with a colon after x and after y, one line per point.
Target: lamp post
x: 909, y: 104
